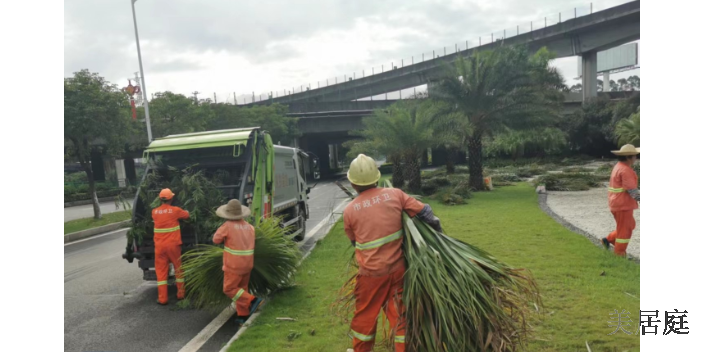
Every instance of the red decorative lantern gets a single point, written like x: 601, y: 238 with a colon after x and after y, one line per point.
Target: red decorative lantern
x: 131, y: 91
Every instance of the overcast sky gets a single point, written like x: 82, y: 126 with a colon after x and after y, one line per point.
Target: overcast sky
x: 220, y: 46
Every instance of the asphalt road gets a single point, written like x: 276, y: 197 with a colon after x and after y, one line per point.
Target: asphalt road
x: 108, y: 307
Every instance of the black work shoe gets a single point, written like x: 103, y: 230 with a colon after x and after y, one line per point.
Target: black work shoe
x: 605, y: 243
x: 163, y: 304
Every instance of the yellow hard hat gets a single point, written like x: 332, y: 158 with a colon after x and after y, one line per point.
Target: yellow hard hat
x: 363, y: 171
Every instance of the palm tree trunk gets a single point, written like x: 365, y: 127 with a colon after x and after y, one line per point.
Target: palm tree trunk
x: 396, y: 171
x: 476, y: 172
x: 413, y: 172
x: 450, y: 163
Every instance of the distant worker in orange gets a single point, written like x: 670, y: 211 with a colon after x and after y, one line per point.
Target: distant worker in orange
x: 373, y: 222
x: 167, y: 244
x: 238, y: 258
x: 624, y: 197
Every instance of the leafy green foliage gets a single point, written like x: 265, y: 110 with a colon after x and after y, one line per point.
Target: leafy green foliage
x: 460, y: 298
x: 591, y: 129
x: 172, y: 113
x: 402, y: 132
x: 628, y: 130
x: 451, y: 189
x: 194, y: 192
x: 94, y: 110
x: 516, y: 144
x: 275, y: 255
x: 275, y: 260
x: 496, y: 90
x: 570, y: 181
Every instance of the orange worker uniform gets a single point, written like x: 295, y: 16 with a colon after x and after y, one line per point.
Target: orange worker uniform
x: 622, y: 202
x: 238, y: 258
x: 373, y: 221
x: 167, y: 248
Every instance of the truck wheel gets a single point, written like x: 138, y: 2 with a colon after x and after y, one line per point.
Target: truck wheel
x: 301, y: 224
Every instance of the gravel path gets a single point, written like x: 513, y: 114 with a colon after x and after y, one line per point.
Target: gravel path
x: 587, y: 213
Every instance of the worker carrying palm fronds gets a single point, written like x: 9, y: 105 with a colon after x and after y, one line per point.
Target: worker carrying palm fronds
x: 238, y: 257
x: 167, y: 244
x: 623, y: 199
x: 373, y: 224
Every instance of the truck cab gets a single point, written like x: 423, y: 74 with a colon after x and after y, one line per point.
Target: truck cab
x: 270, y: 179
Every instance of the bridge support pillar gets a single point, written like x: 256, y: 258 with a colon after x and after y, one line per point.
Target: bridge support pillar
x: 588, y: 76
x: 432, y: 88
x: 607, y: 82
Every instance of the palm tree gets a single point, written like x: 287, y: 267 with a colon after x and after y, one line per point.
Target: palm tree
x: 500, y: 89
x: 628, y: 130
x: 402, y: 132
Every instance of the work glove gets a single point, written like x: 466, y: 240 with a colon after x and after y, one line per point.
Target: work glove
x: 435, y: 223
x: 429, y: 218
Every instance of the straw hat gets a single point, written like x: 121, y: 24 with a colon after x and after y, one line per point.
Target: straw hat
x: 233, y: 210
x: 627, y: 150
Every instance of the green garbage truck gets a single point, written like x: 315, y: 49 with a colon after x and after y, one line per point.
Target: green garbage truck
x: 270, y: 179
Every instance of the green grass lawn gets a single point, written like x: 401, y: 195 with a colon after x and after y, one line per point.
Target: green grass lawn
x: 509, y: 224
x: 89, y: 223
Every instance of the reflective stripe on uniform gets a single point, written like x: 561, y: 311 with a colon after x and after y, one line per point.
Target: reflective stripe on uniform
x: 239, y: 293
x: 400, y: 339
x: 159, y: 283
x: 363, y: 337
x: 180, y: 280
x: 171, y: 229
x: 239, y: 252
x: 623, y: 240
x: 616, y: 190
x: 380, y: 242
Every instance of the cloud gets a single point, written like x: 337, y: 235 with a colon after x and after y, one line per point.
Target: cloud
x: 268, y: 45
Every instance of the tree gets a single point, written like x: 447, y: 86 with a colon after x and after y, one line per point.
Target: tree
x: 589, y: 129
x: 402, y: 132
x: 94, y: 110
x: 634, y: 82
x: 269, y: 117
x: 614, y: 86
x: 499, y: 89
x: 628, y: 130
x: 175, y: 113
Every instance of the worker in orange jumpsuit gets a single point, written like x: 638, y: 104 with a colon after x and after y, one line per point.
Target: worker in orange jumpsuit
x: 238, y: 258
x: 167, y: 244
x: 624, y: 197
x: 373, y: 222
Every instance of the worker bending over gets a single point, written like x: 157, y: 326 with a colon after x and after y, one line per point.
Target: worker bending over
x: 623, y: 199
x: 373, y: 222
x: 167, y: 244
x: 238, y: 258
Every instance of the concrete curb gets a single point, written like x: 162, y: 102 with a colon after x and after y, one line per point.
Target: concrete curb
x: 75, y: 236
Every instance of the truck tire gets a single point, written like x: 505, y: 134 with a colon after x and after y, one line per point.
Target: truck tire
x: 301, y: 223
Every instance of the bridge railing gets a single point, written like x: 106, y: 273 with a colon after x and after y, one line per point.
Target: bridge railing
x: 522, y: 28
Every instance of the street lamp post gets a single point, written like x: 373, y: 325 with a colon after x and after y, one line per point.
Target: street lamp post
x: 141, y: 70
